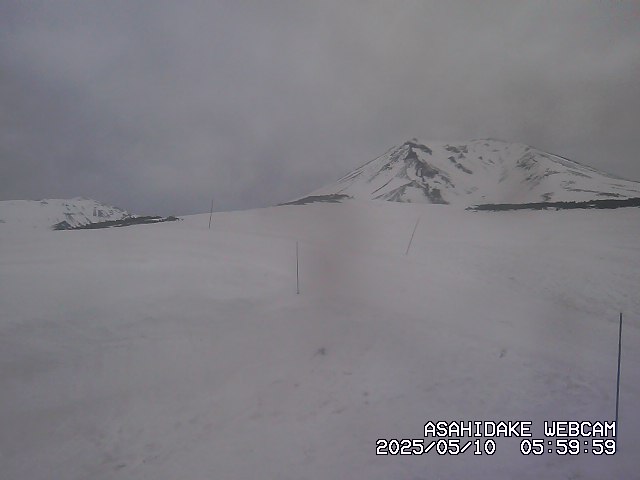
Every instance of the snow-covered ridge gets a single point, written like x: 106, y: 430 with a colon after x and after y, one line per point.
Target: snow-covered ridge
x: 49, y: 212
x: 477, y: 171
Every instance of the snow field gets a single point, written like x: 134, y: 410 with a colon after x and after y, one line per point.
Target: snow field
x: 174, y: 351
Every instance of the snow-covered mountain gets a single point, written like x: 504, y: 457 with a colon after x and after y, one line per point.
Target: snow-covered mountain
x: 47, y: 213
x: 477, y: 171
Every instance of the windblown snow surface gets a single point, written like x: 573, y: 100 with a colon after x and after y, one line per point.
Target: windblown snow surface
x: 172, y: 351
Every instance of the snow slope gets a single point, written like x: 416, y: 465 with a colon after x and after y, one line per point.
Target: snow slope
x: 174, y: 351
x: 46, y: 213
x: 479, y: 171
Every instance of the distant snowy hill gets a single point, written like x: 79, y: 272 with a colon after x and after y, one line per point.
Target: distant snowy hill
x: 47, y: 213
x: 478, y: 171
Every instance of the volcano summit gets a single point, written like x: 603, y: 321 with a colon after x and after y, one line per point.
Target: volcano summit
x: 478, y: 171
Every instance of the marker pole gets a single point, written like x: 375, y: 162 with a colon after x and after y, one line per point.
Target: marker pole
x: 412, y: 234
x: 297, y: 271
x: 210, y: 214
x: 618, y: 381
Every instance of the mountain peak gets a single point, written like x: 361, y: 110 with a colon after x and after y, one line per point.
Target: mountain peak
x: 46, y: 213
x: 477, y: 171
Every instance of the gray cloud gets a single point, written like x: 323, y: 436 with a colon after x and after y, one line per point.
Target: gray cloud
x: 157, y: 106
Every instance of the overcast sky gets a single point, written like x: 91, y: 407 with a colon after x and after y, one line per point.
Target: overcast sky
x: 158, y: 106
